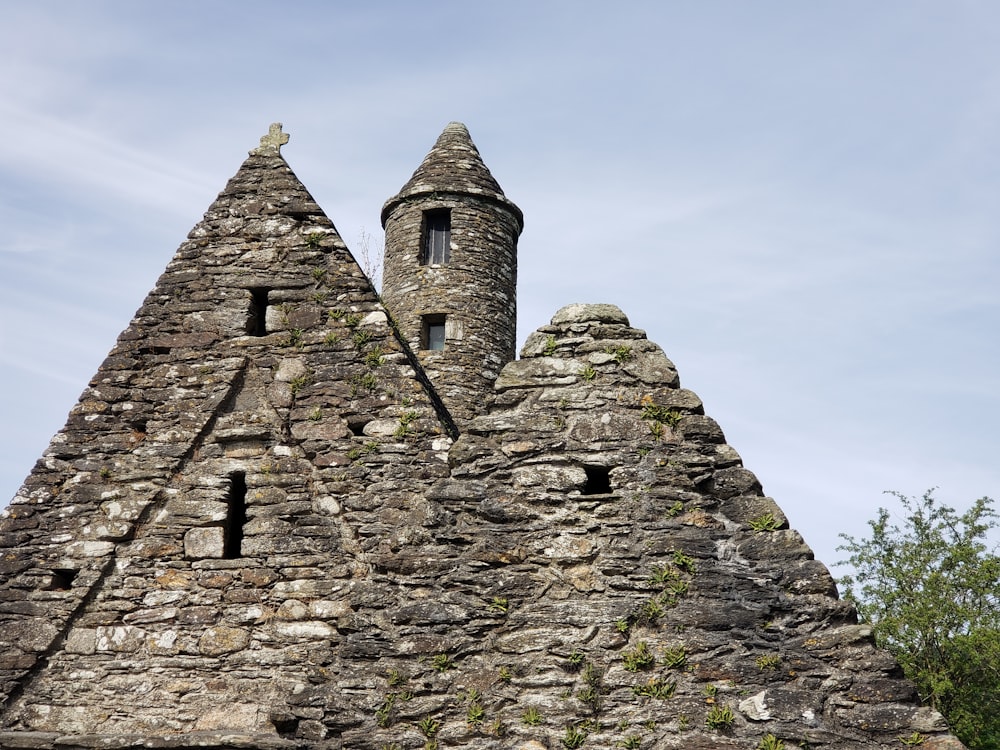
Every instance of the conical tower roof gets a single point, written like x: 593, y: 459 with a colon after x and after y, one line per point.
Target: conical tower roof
x: 452, y: 166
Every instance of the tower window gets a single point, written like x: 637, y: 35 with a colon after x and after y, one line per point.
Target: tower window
x: 257, y: 323
x: 436, y: 248
x: 432, y: 333
x: 236, y: 516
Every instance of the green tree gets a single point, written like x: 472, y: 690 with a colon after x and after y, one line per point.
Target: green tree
x: 929, y: 589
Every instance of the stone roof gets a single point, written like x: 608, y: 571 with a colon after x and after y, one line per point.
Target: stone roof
x: 452, y: 166
x: 588, y: 564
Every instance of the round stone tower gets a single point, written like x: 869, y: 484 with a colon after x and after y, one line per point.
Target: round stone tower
x: 451, y: 271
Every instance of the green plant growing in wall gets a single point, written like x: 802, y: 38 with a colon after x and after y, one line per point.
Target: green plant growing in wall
x: 588, y: 374
x: 313, y: 240
x: 663, y: 575
x: 638, y: 658
x: 361, y: 337
x: 429, y: 726
x: 684, y: 562
x: 913, y: 739
x: 632, y: 741
x: 316, y: 415
x: 676, y: 509
x: 395, y: 677
x: 363, y: 382
x: 295, y: 338
x: 663, y: 414
x: 657, y: 431
x: 622, y: 353
x: 573, y: 738
x: 575, y: 660
x: 770, y: 742
x: 590, y: 693
x: 719, y: 717
x: 765, y: 522
x: 475, y: 714
x: 383, y: 714
x: 651, y: 611
x: 550, y: 346
x: 442, y: 663
x: 657, y: 688
x: 590, y: 696
x: 363, y: 450
x: 374, y: 357
x: 621, y: 625
x: 331, y: 338
x: 674, y: 657
x: 297, y: 384
x: 767, y: 662
x: 504, y: 674
x: 532, y: 717
x: 499, y: 604
x: 318, y: 274
x: 406, y: 419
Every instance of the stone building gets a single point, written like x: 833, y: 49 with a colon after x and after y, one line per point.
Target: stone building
x: 288, y: 514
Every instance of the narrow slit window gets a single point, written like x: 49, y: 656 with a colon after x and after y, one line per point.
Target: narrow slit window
x: 598, y: 480
x: 437, y: 238
x: 236, y: 516
x: 432, y: 333
x: 257, y: 322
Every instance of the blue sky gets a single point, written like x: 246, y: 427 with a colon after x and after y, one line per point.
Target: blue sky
x: 797, y: 201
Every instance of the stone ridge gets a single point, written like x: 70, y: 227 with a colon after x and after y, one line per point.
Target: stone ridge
x: 453, y: 166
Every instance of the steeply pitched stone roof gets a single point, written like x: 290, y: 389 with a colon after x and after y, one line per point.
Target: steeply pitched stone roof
x: 186, y: 398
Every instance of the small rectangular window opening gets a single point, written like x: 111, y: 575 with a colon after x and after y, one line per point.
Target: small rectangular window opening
x: 61, y: 579
x: 257, y: 322
x: 432, y: 333
x: 236, y: 515
x: 598, y: 480
x: 436, y: 248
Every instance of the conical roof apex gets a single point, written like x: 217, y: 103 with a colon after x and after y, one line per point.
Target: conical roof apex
x: 452, y: 166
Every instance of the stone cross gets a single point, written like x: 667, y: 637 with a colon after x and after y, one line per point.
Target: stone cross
x: 273, y: 141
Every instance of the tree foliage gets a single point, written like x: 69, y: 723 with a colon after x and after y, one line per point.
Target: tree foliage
x: 929, y: 589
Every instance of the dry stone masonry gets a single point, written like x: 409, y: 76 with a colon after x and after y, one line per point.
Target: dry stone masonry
x: 469, y: 286
x: 272, y: 522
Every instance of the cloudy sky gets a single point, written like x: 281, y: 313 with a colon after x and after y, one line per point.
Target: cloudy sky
x: 797, y: 201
